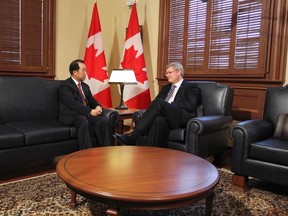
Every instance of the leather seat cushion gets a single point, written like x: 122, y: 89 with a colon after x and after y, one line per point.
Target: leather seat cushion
x: 10, y: 138
x: 270, y: 150
x: 37, y: 132
x: 177, y: 135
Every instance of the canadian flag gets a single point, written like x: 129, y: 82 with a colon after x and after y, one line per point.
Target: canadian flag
x: 96, y: 63
x: 135, y: 96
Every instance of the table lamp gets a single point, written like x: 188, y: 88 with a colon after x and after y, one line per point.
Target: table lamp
x: 122, y: 77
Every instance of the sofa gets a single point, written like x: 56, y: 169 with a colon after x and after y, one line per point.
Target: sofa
x: 29, y: 128
x: 207, y: 134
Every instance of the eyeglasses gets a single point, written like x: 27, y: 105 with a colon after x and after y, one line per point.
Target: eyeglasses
x: 169, y: 72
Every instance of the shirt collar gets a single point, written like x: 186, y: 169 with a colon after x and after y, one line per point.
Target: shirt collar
x: 178, y: 84
x: 75, y: 81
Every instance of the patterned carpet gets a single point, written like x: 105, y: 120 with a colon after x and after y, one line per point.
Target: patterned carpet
x: 48, y: 195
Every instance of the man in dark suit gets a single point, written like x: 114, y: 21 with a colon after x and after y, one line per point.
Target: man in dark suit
x: 175, y: 104
x: 78, y: 107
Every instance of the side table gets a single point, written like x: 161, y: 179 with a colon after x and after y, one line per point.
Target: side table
x: 124, y: 114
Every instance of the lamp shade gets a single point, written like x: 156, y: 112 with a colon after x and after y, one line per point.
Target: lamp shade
x: 122, y: 76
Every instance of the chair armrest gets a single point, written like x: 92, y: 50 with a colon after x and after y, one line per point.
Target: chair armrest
x: 207, y: 135
x: 208, y: 124
x: 112, y: 116
x: 245, y: 133
x: 251, y: 130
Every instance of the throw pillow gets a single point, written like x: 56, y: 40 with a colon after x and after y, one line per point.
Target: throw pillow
x: 281, y: 130
x: 200, y: 110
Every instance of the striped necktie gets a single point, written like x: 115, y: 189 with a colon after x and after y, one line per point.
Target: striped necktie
x: 81, y: 93
x: 170, y: 93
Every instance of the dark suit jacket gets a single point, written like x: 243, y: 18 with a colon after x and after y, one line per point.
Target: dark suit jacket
x: 71, y: 103
x: 187, y: 99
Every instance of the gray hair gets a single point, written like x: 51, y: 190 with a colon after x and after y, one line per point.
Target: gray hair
x: 176, y: 66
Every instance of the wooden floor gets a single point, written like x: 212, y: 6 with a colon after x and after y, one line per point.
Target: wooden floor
x: 48, y: 168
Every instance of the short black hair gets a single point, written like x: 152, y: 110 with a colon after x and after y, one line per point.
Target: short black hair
x: 74, y: 65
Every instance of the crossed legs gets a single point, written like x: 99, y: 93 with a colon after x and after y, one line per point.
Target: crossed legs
x: 157, y: 120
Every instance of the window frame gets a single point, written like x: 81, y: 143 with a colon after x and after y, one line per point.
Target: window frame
x: 47, y: 67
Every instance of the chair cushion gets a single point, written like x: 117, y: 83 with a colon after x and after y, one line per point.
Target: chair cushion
x: 38, y: 132
x: 270, y: 150
x: 281, y: 130
x: 10, y: 138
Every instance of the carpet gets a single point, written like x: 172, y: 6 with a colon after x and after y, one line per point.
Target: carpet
x: 48, y: 195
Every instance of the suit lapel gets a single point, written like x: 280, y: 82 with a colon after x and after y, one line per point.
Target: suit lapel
x: 75, y: 87
x: 180, y: 91
x: 72, y: 83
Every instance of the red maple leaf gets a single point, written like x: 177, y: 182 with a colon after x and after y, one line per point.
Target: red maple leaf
x: 94, y: 65
x: 137, y: 64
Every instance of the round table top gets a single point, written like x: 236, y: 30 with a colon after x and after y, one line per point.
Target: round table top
x: 138, y: 173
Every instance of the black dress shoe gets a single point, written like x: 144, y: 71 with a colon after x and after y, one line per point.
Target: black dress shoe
x: 125, y: 139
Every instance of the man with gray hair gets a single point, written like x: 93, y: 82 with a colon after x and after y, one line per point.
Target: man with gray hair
x: 175, y: 104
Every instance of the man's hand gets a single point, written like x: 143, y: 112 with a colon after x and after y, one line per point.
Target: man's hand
x: 97, y: 111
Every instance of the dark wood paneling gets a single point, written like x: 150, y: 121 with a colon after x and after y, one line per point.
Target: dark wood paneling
x: 248, y: 103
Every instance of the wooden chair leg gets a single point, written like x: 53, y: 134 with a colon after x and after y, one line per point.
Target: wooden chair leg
x: 73, y: 199
x: 240, y: 183
x: 209, y: 204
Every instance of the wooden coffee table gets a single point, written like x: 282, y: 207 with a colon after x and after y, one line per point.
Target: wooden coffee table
x: 138, y: 177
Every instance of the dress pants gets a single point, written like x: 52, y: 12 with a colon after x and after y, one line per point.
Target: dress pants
x: 157, y: 120
x: 100, y: 126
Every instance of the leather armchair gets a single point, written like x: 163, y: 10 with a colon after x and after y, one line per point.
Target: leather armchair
x: 256, y: 152
x: 206, y: 134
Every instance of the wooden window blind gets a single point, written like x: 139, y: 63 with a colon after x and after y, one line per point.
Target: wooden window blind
x: 27, y: 37
x: 216, y: 38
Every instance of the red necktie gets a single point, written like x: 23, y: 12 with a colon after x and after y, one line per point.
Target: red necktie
x: 81, y: 93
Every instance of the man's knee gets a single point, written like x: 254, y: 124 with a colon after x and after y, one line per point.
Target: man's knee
x: 104, y: 120
x: 160, y: 120
x: 157, y: 104
x: 81, y: 122
x: 100, y: 121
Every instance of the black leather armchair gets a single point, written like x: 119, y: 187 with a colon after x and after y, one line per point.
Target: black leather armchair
x: 256, y: 151
x: 207, y: 134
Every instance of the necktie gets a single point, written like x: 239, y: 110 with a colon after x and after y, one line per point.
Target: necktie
x: 81, y: 93
x: 170, y: 93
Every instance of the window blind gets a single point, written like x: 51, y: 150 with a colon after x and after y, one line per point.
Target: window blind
x: 10, y: 33
x: 26, y: 36
x: 218, y: 37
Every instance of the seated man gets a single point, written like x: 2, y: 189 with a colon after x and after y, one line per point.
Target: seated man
x: 78, y: 107
x: 175, y: 104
